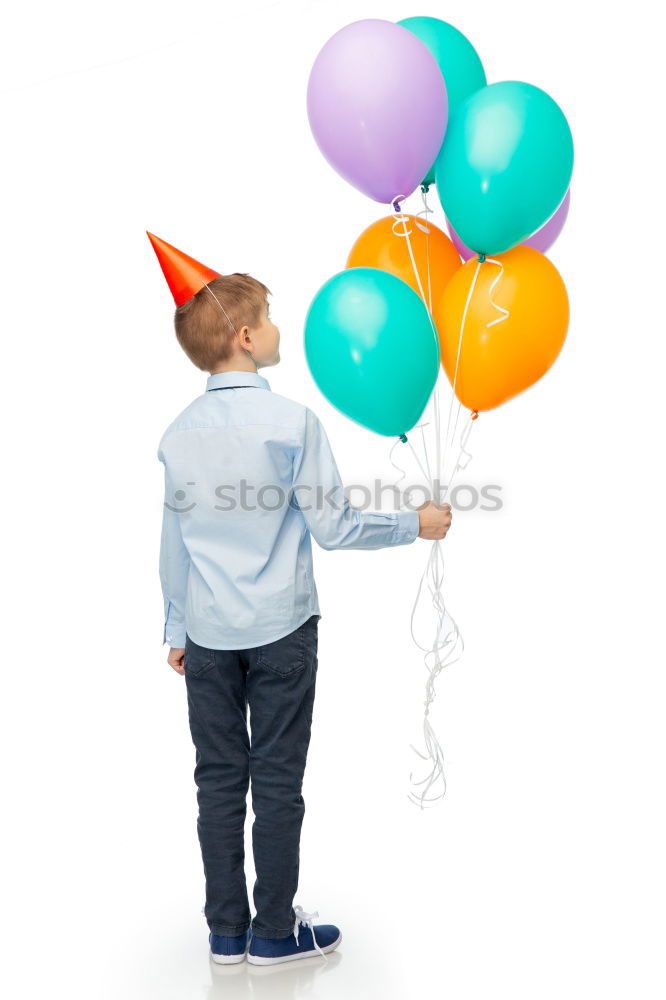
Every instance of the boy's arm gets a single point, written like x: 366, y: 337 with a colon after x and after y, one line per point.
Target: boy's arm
x: 319, y: 493
x: 174, y: 570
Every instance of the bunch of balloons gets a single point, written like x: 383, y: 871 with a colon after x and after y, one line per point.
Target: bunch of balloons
x: 398, y: 106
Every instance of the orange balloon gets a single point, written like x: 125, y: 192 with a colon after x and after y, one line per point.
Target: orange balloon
x: 379, y: 246
x: 515, y: 322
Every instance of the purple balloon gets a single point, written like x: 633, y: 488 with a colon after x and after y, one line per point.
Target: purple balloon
x: 542, y: 240
x: 377, y: 106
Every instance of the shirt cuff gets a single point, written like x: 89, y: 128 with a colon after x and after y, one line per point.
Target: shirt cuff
x: 408, y: 526
x: 175, y: 636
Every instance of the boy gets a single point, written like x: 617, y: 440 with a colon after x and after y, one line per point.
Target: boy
x: 249, y: 476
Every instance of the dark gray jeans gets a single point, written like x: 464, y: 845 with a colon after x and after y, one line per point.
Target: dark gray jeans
x: 277, y: 681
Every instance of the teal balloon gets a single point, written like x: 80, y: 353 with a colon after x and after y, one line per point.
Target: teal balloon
x: 372, y: 349
x: 504, y: 166
x: 457, y: 59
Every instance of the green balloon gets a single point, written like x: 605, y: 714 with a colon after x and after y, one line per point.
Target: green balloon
x: 504, y: 166
x: 457, y: 59
x: 372, y: 349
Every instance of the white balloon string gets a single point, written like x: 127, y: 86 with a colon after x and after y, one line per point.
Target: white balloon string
x: 425, y: 212
x: 418, y: 461
x: 400, y: 219
x: 457, y: 365
x: 398, y: 467
x: 500, y: 319
x: 438, y: 447
x: 505, y: 312
x: 447, y: 644
x: 425, y: 452
x: 458, y: 410
x: 446, y: 648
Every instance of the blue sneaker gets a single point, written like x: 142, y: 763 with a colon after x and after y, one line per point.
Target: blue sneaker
x: 226, y: 950
x: 302, y: 943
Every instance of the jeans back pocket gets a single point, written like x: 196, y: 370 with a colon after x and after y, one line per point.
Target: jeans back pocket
x: 292, y: 652
x: 198, y: 659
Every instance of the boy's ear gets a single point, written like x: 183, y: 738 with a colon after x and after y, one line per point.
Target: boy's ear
x: 244, y: 338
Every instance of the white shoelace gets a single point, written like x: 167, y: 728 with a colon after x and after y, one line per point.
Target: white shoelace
x: 307, y: 920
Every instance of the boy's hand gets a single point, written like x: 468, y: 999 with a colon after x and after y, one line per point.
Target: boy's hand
x: 176, y: 659
x: 434, y: 520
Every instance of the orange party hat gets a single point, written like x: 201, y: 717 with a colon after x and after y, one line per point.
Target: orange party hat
x: 185, y: 276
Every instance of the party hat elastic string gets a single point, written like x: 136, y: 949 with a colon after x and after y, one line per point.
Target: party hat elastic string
x: 211, y: 292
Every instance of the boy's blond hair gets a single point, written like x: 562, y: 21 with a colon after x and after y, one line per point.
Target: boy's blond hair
x: 203, y: 330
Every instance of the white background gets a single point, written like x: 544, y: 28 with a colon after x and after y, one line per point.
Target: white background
x: 541, y: 874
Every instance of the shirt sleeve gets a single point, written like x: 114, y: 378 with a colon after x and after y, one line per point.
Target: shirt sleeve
x: 319, y: 493
x: 174, y: 570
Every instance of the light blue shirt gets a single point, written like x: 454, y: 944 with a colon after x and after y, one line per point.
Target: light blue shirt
x: 249, y: 476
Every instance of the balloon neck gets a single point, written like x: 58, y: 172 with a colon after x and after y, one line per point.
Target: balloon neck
x: 425, y: 188
x: 403, y: 438
x: 482, y: 257
x: 474, y: 414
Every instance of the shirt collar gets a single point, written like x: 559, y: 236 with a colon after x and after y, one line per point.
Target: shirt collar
x: 233, y: 380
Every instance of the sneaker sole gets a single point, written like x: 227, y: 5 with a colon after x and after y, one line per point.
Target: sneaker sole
x: 228, y: 959
x: 277, y: 959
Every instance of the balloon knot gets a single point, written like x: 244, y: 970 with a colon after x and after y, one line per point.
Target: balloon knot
x: 475, y: 414
x: 482, y: 257
x: 403, y: 438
